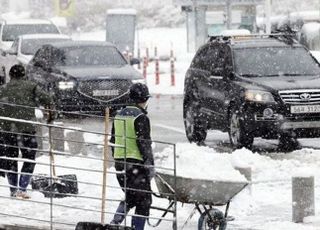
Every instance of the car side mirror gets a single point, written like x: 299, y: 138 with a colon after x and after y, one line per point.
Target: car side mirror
x: 134, y: 61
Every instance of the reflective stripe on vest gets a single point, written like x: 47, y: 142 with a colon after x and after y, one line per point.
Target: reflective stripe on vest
x: 125, y: 136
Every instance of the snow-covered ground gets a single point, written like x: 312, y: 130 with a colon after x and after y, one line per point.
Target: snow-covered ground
x: 265, y: 204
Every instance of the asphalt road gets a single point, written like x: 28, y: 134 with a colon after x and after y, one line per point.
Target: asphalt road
x: 165, y: 112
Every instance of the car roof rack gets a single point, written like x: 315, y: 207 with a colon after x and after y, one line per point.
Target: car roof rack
x: 283, y: 36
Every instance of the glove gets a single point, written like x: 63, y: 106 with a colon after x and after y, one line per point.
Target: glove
x: 38, y: 114
x: 151, y: 173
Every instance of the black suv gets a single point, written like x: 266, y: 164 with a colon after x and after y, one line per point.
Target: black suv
x: 83, y: 76
x: 255, y: 86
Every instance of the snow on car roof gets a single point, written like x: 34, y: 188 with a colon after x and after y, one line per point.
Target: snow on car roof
x: 235, y: 32
x: 27, y: 21
x: 39, y: 36
x: 265, y: 42
x: 122, y: 11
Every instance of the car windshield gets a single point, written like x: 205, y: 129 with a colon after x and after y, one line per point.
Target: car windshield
x: 11, y: 32
x: 91, y: 56
x: 30, y: 46
x: 275, y: 61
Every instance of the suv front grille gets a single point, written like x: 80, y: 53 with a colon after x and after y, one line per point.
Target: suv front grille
x: 111, y: 85
x: 307, y: 96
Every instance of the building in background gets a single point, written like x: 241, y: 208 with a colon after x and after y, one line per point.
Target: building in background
x: 120, y: 28
x: 210, y: 17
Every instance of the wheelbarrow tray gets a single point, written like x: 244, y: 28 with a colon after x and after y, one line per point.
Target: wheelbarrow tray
x: 188, y: 190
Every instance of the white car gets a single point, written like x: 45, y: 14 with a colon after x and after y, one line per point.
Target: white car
x: 23, y: 49
x: 11, y: 29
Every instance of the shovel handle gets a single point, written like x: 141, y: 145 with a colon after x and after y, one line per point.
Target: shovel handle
x: 51, y: 153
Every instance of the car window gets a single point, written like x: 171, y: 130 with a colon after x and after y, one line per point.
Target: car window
x: 212, y: 58
x: 275, y: 61
x: 44, y: 56
x: 30, y: 46
x: 11, y: 32
x: 200, y: 58
x: 91, y: 56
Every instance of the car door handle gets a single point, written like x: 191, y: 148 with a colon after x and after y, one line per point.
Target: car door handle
x: 215, y: 77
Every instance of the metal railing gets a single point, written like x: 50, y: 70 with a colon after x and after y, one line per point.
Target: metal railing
x: 65, y: 213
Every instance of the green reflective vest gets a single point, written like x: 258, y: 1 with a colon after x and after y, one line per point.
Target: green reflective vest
x: 125, y: 134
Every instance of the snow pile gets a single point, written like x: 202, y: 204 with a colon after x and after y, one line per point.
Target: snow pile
x: 197, y: 162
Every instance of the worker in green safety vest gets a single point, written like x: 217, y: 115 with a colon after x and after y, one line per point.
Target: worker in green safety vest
x: 133, y: 156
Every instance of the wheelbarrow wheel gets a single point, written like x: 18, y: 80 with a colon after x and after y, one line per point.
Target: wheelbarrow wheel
x: 212, y: 220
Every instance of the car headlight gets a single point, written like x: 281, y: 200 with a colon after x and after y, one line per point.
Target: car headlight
x: 259, y: 96
x: 143, y: 81
x: 64, y: 85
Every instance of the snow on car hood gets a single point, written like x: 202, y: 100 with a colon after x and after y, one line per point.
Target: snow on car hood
x: 88, y: 72
x: 285, y: 82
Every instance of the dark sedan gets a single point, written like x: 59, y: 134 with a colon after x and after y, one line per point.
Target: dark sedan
x: 84, y: 76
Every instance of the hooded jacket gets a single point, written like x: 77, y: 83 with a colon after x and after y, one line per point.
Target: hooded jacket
x: 21, y: 92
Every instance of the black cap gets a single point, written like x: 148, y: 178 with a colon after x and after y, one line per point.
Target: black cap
x: 139, y: 93
x: 17, y: 71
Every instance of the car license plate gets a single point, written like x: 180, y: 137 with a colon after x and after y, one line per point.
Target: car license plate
x: 113, y: 92
x: 305, y: 109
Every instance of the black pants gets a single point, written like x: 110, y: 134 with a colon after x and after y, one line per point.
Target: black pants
x: 136, y: 178
x: 15, y: 142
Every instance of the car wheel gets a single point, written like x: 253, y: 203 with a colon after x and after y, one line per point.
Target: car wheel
x: 195, y: 124
x: 288, y: 143
x: 239, y: 137
x: 212, y: 220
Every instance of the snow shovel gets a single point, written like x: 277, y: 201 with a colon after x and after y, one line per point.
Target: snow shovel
x: 55, y: 186
x: 98, y: 226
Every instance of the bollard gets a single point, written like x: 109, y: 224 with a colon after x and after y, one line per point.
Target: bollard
x: 157, y: 77
x: 144, y: 70
x: 172, y: 69
x: 58, y: 137
x: 155, y: 52
x: 147, y: 56
x: 302, y: 198
x: 139, y: 64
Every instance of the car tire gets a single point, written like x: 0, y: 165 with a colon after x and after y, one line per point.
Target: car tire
x: 288, y: 143
x: 238, y: 134
x: 213, y: 219
x: 194, y: 123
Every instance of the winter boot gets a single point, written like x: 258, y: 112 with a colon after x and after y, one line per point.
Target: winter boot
x: 120, y: 214
x: 138, y: 223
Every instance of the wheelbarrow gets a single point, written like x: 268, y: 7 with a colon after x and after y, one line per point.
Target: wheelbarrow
x: 55, y: 186
x: 204, y: 194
